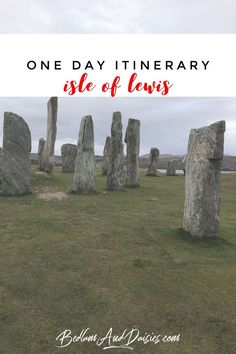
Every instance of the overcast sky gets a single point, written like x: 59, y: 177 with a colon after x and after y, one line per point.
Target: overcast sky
x: 165, y: 122
x: 117, y: 16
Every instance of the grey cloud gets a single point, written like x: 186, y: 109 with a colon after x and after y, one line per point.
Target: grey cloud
x: 118, y: 16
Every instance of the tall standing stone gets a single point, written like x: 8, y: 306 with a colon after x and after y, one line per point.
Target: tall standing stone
x: 0, y: 168
x: 84, y: 176
x: 106, y: 154
x: 132, y: 139
x: 171, y: 167
x: 15, y: 161
x: 115, y: 173
x: 48, y: 151
x: 68, y: 155
x: 202, y: 180
x: 40, y: 153
x: 153, y: 160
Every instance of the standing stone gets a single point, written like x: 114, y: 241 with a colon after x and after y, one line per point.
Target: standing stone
x: 132, y: 139
x: 68, y: 155
x: 85, y: 170
x: 0, y: 168
x: 153, y: 160
x: 202, y: 180
x: 40, y: 152
x: 171, y: 168
x: 115, y: 173
x: 15, y: 161
x: 0, y: 155
x: 106, y: 153
x: 48, y: 151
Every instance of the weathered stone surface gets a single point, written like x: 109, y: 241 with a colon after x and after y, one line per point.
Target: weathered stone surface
x: 0, y: 168
x: 153, y: 160
x: 132, y: 139
x: 40, y: 153
x: 115, y: 173
x: 106, y: 154
x: 171, y: 168
x: 68, y: 155
x: 15, y: 161
x: 48, y: 151
x: 202, y: 180
x: 85, y: 170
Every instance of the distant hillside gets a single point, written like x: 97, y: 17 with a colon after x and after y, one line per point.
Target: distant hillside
x: 162, y: 156
x: 229, y: 162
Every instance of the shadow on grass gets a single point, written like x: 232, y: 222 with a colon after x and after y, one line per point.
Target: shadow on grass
x: 201, y: 242
x: 73, y: 192
x: 140, y: 263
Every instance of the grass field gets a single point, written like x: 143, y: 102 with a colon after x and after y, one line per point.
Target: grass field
x: 114, y: 259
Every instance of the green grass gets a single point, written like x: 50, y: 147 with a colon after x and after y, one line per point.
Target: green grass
x: 115, y: 259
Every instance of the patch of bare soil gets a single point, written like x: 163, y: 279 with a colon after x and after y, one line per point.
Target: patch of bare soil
x: 40, y: 173
x: 49, y: 195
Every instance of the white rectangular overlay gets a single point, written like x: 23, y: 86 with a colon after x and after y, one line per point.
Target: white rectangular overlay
x: 118, y: 65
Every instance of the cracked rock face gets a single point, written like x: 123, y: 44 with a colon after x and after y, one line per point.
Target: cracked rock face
x: 48, y: 151
x: 68, y: 155
x: 115, y: 173
x: 171, y: 168
x: 106, y: 154
x: 153, y: 161
x: 132, y: 139
x: 41, y: 145
x: 15, y: 161
x: 202, y: 180
x: 85, y: 169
